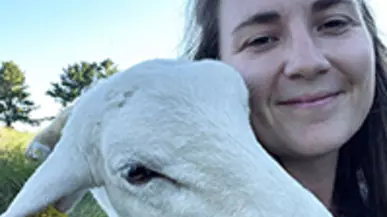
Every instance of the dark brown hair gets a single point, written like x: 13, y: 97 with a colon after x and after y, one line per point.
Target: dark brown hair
x: 361, y: 181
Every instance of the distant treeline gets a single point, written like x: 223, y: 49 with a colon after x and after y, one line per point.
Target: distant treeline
x: 15, y: 102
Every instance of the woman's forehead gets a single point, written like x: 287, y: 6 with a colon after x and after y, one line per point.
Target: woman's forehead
x: 238, y: 14
x: 254, y: 6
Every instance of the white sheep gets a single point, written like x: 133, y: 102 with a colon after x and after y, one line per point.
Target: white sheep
x: 167, y: 138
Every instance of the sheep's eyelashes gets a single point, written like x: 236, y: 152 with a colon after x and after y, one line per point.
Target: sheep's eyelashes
x: 138, y: 175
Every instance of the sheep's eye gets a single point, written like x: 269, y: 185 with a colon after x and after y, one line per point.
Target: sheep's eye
x: 138, y: 175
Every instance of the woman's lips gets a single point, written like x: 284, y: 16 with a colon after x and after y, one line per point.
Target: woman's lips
x: 310, y: 100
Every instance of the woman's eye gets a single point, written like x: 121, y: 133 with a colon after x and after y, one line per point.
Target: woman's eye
x: 335, y: 26
x: 259, y: 42
x: 139, y: 174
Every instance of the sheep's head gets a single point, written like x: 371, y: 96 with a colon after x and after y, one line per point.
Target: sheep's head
x: 168, y: 138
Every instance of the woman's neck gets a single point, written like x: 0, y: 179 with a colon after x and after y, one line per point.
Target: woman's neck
x: 316, y: 174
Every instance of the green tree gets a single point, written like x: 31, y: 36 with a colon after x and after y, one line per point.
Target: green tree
x: 106, y: 68
x: 77, y: 77
x: 15, y: 105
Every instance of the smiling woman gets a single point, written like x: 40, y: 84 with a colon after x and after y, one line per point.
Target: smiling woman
x: 308, y: 77
x: 316, y: 74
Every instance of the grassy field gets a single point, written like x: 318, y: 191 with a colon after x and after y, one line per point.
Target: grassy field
x: 15, y: 169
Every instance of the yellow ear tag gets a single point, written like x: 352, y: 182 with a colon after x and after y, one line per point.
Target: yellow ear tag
x: 50, y: 212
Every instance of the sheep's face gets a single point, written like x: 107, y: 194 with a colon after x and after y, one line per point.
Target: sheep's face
x: 174, y: 149
x: 170, y: 139
x: 182, y: 146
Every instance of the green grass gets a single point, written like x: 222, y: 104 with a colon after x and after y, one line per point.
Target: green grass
x: 15, y: 170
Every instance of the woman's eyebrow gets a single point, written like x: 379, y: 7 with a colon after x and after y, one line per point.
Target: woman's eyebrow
x: 258, y: 18
x: 322, y: 5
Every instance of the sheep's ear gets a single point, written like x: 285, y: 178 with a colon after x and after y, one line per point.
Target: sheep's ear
x: 63, y: 173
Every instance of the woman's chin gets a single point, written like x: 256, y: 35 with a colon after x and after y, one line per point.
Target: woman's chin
x: 314, y: 143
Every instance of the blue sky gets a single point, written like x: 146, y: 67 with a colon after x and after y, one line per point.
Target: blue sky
x: 44, y: 36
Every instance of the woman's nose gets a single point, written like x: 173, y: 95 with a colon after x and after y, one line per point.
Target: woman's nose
x: 304, y: 59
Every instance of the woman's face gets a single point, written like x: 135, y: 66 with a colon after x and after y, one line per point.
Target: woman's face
x: 310, y: 65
